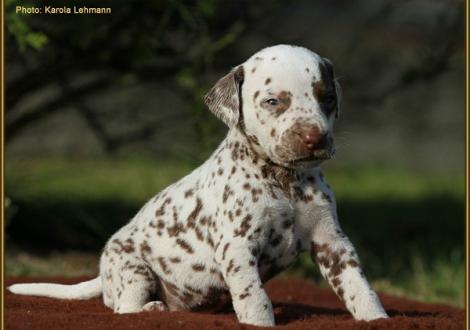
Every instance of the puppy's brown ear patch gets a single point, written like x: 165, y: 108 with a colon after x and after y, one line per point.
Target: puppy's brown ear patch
x: 224, y: 99
x: 328, y: 74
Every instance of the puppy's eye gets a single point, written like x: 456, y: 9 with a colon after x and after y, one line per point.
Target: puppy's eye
x: 272, y: 102
x: 329, y: 99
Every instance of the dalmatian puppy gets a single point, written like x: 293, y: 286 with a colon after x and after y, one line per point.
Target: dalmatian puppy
x: 218, y: 234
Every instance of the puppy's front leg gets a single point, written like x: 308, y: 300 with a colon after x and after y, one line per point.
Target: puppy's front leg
x: 240, y: 270
x: 339, y: 265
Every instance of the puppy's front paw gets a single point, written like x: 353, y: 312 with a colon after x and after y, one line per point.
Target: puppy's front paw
x: 369, y: 312
x: 372, y: 315
x: 368, y: 308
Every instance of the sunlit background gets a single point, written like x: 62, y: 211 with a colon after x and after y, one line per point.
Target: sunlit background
x: 102, y: 112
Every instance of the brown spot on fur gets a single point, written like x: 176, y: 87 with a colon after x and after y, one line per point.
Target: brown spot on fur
x: 191, y: 221
x: 255, y: 95
x: 227, y: 193
x: 273, y: 132
x: 244, y: 226
x: 210, y: 241
x: 229, y: 267
x: 267, y: 81
x: 255, y: 194
x: 198, y: 267
x: 199, y: 234
x: 225, y: 250
x: 126, y: 247
x: 319, y: 89
x: 176, y: 229
x: 163, y: 265
x: 204, y: 221
x: 145, y: 248
x: 284, y: 102
x: 161, y: 210
x: 185, y: 246
x: 244, y: 295
x: 330, y: 259
x: 335, y: 282
x: 175, y: 260
x: 299, y: 194
x: 188, y: 193
x: 282, y: 177
x: 254, y: 140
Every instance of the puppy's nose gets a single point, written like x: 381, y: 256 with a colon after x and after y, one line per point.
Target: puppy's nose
x: 312, y: 137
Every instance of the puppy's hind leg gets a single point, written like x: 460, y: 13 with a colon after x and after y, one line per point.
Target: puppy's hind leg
x: 134, y: 286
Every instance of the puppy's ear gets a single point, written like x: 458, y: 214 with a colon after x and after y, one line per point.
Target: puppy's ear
x: 224, y: 99
x: 339, y: 96
x: 337, y: 86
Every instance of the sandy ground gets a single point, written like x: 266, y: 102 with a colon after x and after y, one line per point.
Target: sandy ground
x: 298, y: 304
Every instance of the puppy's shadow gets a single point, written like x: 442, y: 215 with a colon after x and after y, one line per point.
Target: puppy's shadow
x: 289, y: 312
x: 395, y: 313
x: 286, y: 312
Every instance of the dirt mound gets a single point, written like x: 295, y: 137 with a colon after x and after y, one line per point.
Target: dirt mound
x: 298, y: 304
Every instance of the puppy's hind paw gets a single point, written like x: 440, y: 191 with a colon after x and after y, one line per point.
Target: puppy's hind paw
x: 152, y: 306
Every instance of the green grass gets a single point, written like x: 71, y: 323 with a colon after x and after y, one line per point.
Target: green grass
x: 408, y: 227
x: 57, y: 263
x: 133, y: 180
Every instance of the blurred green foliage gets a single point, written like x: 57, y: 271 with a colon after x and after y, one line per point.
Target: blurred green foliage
x: 178, y: 44
x: 408, y: 227
x: 18, y: 26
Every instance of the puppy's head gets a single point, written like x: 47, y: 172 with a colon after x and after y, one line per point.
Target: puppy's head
x: 285, y: 99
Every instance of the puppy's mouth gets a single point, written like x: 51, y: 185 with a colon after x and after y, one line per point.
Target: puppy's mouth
x: 317, y: 155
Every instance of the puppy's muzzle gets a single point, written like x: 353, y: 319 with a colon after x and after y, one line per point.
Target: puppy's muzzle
x: 312, y: 144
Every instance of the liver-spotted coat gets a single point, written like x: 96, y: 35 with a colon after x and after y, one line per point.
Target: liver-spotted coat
x: 218, y: 234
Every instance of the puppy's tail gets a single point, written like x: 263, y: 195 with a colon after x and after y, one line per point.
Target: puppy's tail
x: 83, y: 290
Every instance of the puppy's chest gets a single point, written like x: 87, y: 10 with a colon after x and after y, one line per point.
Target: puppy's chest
x: 280, y: 242
x: 268, y: 223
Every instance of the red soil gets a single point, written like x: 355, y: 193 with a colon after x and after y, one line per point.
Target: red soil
x: 298, y: 304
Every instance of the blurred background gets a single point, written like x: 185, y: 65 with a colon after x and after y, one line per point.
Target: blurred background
x: 104, y: 111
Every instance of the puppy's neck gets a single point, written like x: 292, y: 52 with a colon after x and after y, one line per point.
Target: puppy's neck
x: 245, y: 147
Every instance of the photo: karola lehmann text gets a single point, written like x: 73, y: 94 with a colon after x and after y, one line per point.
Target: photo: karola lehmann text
x: 72, y: 10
